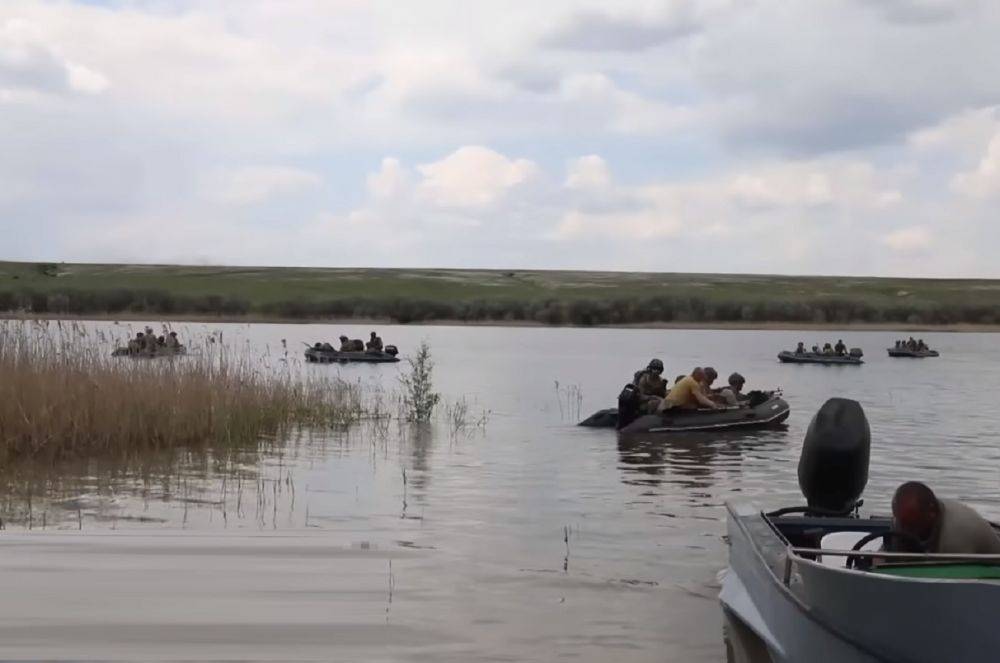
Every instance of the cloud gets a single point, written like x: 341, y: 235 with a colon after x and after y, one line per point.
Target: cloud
x: 984, y: 180
x: 598, y: 31
x: 28, y: 64
x: 473, y: 177
x: 919, y: 12
x: 908, y: 240
x: 252, y: 185
x: 589, y: 172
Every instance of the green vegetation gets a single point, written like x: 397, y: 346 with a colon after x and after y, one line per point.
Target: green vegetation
x: 547, y: 297
x: 419, y: 397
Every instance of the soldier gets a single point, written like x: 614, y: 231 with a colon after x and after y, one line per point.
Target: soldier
x: 374, y: 344
x: 732, y: 395
x: 652, y: 387
x: 172, y: 342
x: 346, y: 345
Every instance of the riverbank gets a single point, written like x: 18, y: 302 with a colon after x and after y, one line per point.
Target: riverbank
x: 495, y: 297
x: 376, y: 322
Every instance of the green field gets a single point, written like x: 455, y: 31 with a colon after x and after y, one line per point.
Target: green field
x: 548, y: 297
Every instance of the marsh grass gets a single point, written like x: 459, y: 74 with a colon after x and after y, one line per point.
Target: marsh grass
x: 62, y: 397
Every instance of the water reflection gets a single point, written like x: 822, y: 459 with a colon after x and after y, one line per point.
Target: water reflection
x: 692, y: 459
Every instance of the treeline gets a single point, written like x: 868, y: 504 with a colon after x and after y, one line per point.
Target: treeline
x: 551, y: 311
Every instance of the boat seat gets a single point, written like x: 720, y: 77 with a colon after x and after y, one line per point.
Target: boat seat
x: 844, y: 541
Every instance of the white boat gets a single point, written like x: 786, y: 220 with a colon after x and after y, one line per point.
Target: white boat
x: 803, y: 583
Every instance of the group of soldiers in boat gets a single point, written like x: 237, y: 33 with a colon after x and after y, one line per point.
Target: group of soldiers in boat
x: 689, y: 392
x: 837, y: 350
x: 374, y: 344
x: 148, y: 343
x: 914, y: 345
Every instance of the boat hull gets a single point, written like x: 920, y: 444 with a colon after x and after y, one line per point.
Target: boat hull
x: 314, y: 356
x: 912, y: 354
x: 771, y: 412
x: 810, y: 358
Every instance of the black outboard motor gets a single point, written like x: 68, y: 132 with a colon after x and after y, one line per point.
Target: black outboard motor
x: 833, y: 466
x: 628, y: 405
x: 391, y: 350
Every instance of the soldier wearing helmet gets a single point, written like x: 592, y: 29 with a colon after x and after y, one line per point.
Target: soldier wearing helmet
x: 651, y: 385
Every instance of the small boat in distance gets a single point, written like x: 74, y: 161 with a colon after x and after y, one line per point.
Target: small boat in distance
x: 328, y: 355
x: 853, y: 358
x: 158, y: 353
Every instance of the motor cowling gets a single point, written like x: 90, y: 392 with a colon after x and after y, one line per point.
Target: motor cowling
x: 856, y: 352
x: 629, y: 405
x: 833, y: 465
x: 391, y: 350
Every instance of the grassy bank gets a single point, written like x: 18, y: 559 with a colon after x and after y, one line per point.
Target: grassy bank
x: 538, y: 297
x: 62, y: 398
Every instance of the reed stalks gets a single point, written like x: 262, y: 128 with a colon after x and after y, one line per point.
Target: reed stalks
x: 62, y: 396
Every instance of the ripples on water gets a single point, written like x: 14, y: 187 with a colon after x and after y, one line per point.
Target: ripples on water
x: 533, y: 537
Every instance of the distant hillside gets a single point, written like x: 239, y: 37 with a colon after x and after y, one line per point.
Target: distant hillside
x: 548, y: 297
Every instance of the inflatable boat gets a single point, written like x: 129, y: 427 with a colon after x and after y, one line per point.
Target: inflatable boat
x: 321, y: 355
x: 820, y: 358
x: 763, y: 408
x: 159, y: 352
x: 768, y: 410
x: 916, y: 354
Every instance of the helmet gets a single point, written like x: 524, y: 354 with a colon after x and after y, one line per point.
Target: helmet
x: 711, y: 373
x: 655, y: 365
x: 736, y: 378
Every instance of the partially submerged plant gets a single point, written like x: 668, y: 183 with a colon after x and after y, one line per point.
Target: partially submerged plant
x: 419, y: 398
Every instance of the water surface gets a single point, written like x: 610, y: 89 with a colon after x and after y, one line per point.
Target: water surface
x: 526, y: 538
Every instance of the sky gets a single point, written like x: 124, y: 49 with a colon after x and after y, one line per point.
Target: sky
x: 854, y: 137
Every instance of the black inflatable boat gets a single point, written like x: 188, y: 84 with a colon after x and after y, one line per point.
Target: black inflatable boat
x: 769, y: 412
x: 916, y: 354
x: 321, y: 355
x: 819, y: 358
x: 763, y: 409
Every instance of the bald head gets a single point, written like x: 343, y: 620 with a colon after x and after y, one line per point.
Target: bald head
x: 915, y: 510
x: 698, y: 374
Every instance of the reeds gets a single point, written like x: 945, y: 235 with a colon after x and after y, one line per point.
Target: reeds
x: 62, y: 396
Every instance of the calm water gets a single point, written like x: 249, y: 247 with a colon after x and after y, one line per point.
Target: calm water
x: 529, y: 538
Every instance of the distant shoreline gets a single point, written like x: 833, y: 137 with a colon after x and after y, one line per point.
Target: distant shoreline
x: 375, y: 322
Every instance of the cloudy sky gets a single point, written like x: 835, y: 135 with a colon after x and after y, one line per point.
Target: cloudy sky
x: 830, y: 136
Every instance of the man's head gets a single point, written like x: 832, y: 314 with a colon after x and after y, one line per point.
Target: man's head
x: 698, y: 374
x: 655, y: 366
x: 173, y: 334
x: 373, y: 334
x: 736, y: 381
x: 710, y: 375
x: 915, y: 510
x: 343, y: 338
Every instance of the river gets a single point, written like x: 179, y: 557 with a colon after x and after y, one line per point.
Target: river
x: 521, y: 537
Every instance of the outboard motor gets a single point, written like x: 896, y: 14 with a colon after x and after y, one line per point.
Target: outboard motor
x: 833, y: 466
x: 856, y: 352
x: 391, y: 350
x: 628, y: 405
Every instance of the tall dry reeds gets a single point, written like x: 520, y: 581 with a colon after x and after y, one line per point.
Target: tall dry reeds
x: 63, y: 396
